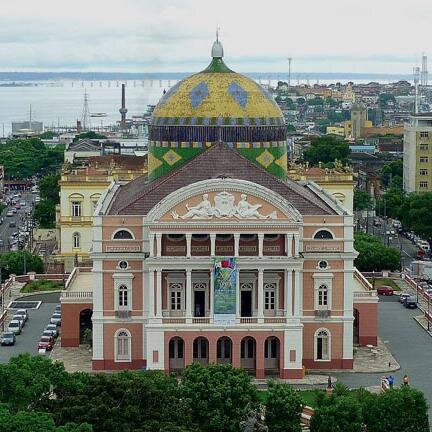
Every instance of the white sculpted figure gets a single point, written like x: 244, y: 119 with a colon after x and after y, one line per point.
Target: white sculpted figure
x: 224, y: 208
x: 203, y: 210
x: 246, y: 210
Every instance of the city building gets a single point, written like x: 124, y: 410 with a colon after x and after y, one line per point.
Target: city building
x: 217, y: 256
x: 358, y: 121
x: 417, y: 156
x: 80, y: 189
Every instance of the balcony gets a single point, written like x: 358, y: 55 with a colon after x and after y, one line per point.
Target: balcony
x: 322, y: 313
x: 78, y: 287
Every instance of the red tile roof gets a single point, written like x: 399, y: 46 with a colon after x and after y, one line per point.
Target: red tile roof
x: 139, y: 196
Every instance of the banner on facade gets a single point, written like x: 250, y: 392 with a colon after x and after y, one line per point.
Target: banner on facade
x: 225, y: 274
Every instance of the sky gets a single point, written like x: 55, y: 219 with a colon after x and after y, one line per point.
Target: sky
x: 364, y: 36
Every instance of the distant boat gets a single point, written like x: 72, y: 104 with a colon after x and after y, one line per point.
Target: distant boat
x: 98, y: 114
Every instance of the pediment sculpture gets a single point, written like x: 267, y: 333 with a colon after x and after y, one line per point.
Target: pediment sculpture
x: 224, y: 208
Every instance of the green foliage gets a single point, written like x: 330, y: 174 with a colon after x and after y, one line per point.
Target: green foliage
x: 390, y: 203
x: 315, y: 101
x: 326, y: 149
x: 24, y: 158
x: 42, y: 285
x: 25, y: 421
x: 290, y: 128
x: 398, y: 410
x: 338, y: 414
x: 44, y: 214
x: 416, y: 214
x: 374, y: 255
x: 48, y: 135
x: 362, y: 199
x: 13, y: 262
x: 284, y: 407
x: 392, y: 174
x: 386, y: 98
x: 50, y: 189
x: 218, y: 395
x: 89, y: 135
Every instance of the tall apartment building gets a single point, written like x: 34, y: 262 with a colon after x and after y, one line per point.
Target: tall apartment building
x: 417, y: 156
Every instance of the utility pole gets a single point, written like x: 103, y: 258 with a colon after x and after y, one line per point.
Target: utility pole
x: 289, y: 73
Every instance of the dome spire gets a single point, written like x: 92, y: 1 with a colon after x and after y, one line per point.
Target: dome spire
x: 217, y: 49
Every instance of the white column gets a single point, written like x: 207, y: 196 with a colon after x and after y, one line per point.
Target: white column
x: 211, y: 294
x: 236, y: 244
x: 151, y: 244
x: 260, y: 244
x: 298, y: 294
x: 289, y: 244
x: 189, y: 296
x: 158, y: 244
x: 237, y: 295
x: 212, y: 244
x: 151, y: 293
x: 296, y: 244
x: 158, y: 293
x: 288, y: 293
x: 188, y: 244
x: 260, y: 295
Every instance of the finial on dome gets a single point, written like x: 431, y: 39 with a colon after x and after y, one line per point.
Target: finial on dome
x: 217, y: 49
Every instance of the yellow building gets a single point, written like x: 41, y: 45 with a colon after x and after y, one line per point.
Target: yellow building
x: 337, y: 182
x: 80, y: 190
x: 417, y: 156
x: 335, y: 130
x: 349, y: 95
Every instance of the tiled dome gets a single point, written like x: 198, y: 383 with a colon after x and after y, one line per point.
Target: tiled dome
x: 217, y: 105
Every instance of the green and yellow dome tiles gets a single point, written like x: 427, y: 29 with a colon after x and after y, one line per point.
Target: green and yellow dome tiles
x: 217, y: 105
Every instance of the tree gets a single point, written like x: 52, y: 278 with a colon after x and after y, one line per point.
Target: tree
x: 44, y: 213
x: 416, y: 214
x: 18, y: 261
x: 25, y: 421
x: 390, y: 203
x: 326, y: 149
x: 49, y: 188
x: 219, y: 396
x: 338, y: 414
x: 398, y: 410
x: 362, y: 199
x: 374, y: 255
x: 89, y: 135
x: 386, y: 99
x: 283, y: 408
x: 290, y: 128
x: 392, y: 174
x: 48, y: 135
x: 315, y: 101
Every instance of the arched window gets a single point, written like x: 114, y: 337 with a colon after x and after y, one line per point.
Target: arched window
x: 123, y: 235
x: 123, y: 296
x: 323, y: 295
x: 176, y: 348
x: 223, y: 348
x: 323, y: 235
x: 247, y: 348
x: 76, y: 240
x: 200, y: 348
x: 271, y: 348
x: 123, y: 346
x: 322, y: 345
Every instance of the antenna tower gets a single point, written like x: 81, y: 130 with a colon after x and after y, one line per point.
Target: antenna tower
x: 289, y: 73
x: 85, y: 117
x: 416, y: 73
x: 424, y: 71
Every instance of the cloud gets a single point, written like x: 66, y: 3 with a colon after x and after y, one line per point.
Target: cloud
x: 176, y: 35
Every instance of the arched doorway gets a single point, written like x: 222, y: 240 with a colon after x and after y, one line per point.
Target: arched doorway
x: 224, y: 350
x: 271, y: 355
x: 86, y: 326
x: 248, y: 354
x: 200, y: 350
x: 176, y: 354
x: 356, y: 327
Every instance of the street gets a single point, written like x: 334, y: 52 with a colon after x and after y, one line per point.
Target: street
x: 27, y: 341
x: 410, y: 345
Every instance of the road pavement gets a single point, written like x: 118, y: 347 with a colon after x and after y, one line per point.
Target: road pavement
x: 409, y: 344
x: 27, y: 341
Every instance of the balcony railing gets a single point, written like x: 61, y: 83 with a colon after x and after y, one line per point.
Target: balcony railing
x: 76, y: 295
x: 322, y: 313
x: 123, y: 314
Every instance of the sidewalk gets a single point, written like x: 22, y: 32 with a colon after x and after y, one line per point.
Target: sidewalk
x: 74, y: 359
x: 374, y: 359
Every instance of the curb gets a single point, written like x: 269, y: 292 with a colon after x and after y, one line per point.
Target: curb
x: 422, y: 326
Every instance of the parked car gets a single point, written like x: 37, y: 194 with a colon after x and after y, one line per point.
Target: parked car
x: 46, y: 343
x: 49, y: 333
x: 15, y: 327
x: 19, y: 318
x: 56, y: 319
x: 57, y: 309
x: 403, y: 296
x: 12, y: 224
x: 8, y: 338
x: 410, y: 302
x: 53, y: 328
x: 9, y: 213
x: 424, y: 245
x: 22, y: 312
x: 377, y: 222
x: 385, y: 290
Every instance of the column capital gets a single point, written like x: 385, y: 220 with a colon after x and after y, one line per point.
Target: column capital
x: 158, y: 235
x: 260, y: 271
x: 260, y: 235
x: 188, y: 235
x: 212, y: 235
